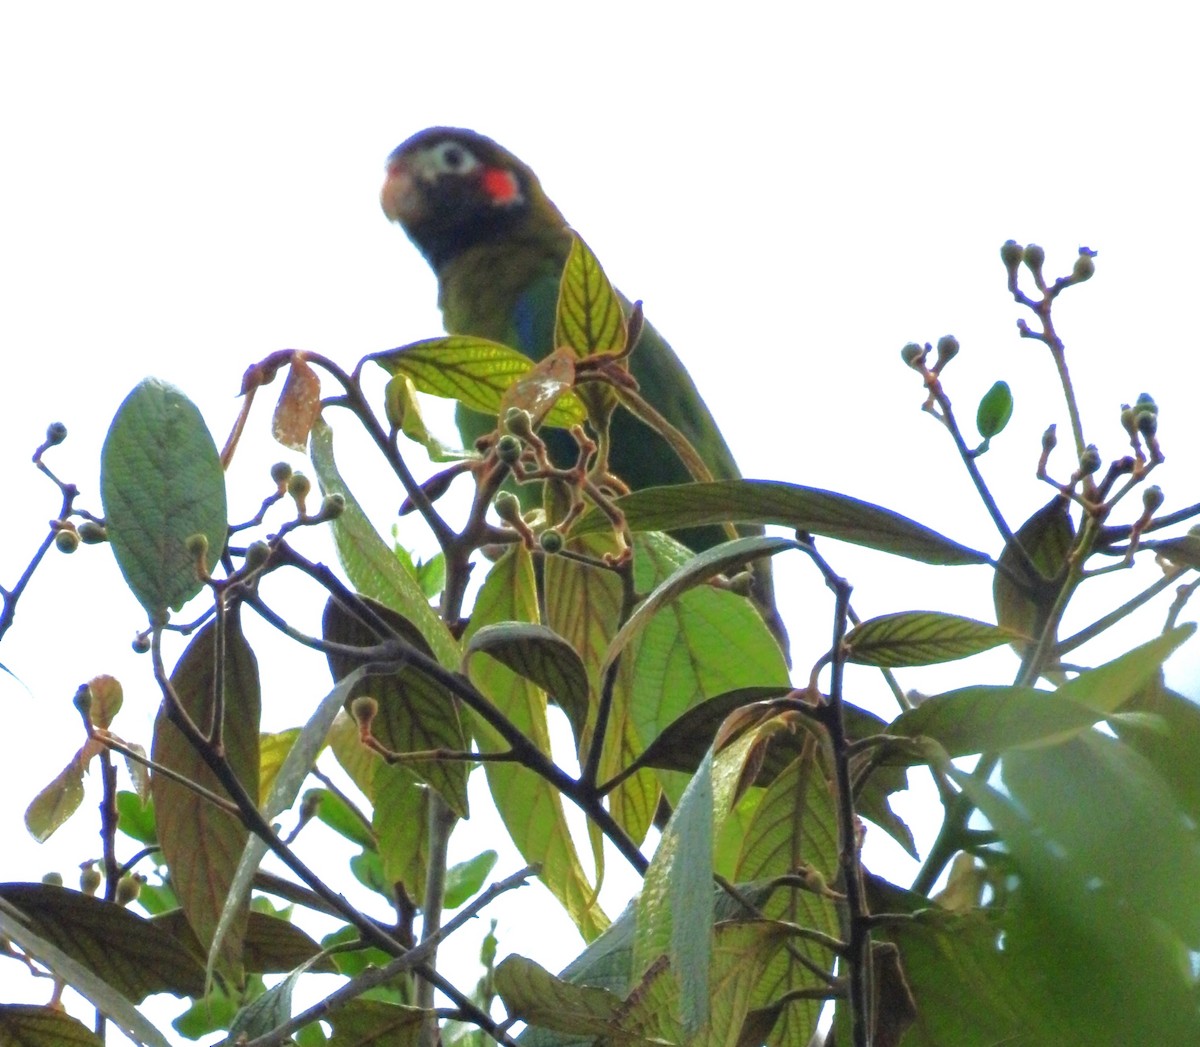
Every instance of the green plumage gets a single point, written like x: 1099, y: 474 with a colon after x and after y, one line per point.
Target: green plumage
x: 498, y: 247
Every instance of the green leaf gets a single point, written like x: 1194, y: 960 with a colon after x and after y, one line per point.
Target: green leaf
x: 57, y: 801
x: 273, y: 750
x: 589, y: 316
x: 726, y: 557
x: 200, y: 842
x: 1088, y: 948
x: 530, y: 807
x: 542, y: 656
x: 161, y: 482
x: 32, y: 1025
x: 362, y: 1022
x: 333, y: 811
x: 807, y: 509
x: 1116, y: 821
x: 371, y: 564
x: 415, y: 712
x: 1109, y: 686
x: 990, y: 719
x: 675, y: 908
x: 400, y: 820
x: 474, y: 371
x: 135, y: 956
x: 995, y: 409
x: 465, y: 879
x: 105, y: 997
x: 1174, y: 751
x: 536, y: 996
x: 273, y: 945
x: 292, y: 774
x: 400, y: 396
x: 921, y: 638
x: 135, y: 818
x: 1025, y: 600
x: 794, y: 824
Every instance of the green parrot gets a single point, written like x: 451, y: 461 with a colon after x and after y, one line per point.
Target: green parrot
x: 498, y: 245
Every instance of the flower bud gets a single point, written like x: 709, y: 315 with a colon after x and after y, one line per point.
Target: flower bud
x: 257, y: 554
x: 298, y: 486
x: 1011, y: 254
x: 518, y: 422
x: 197, y: 546
x: 52, y: 879
x: 67, y: 540
x: 129, y: 887
x: 551, y: 541
x: 1049, y: 438
x: 1090, y: 460
x: 1084, y: 266
x: 1146, y: 422
x: 1128, y: 420
x: 332, y: 505
x: 281, y: 473
x: 508, y: 449
x: 89, y: 878
x: 92, y: 533
x: 141, y: 644
x: 1034, y: 257
x: 947, y: 350
x: 508, y: 507
x: 364, y: 709
x: 1152, y: 499
x: 913, y: 355
x: 56, y: 433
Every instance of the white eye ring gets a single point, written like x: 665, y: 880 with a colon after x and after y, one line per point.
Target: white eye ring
x: 453, y: 158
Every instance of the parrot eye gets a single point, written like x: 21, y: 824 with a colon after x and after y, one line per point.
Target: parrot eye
x: 452, y: 158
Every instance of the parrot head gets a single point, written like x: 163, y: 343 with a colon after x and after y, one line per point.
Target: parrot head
x: 452, y: 189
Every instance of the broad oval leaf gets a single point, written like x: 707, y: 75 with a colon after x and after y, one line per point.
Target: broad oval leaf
x: 541, y: 655
x: 995, y: 410
x: 161, y: 482
x: 990, y: 719
x: 589, y: 317
x: 37, y: 1025
x: 728, y: 556
x: 921, y: 638
x: 808, y: 509
x: 1024, y: 600
x: 371, y: 564
x: 134, y: 955
x: 474, y: 371
x: 201, y: 843
x: 531, y: 808
x: 532, y: 993
x: 416, y: 714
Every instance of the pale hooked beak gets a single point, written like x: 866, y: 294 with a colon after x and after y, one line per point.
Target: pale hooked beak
x: 400, y: 197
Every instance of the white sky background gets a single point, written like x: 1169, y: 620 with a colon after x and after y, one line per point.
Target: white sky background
x: 794, y: 190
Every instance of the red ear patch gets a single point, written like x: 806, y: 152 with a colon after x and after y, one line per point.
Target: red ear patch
x: 501, y: 186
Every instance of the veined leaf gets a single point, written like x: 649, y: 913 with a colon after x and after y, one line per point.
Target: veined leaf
x: 161, y: 483
x: 1046, y: 537
x: 990, y: 719
x: 541, y: 655
x: 725, y: 557
x: 531, y: 808
x: 200, y: 842
x: 81, y: 978
x: 474, y: 371
x: 808, y: 509
x: 589, y: 317
x: 921, y: 638
x: 793, y: 824
x: 371, y: 564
